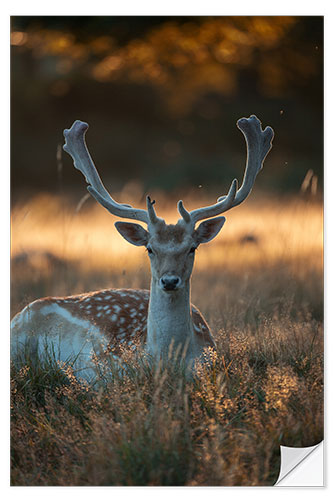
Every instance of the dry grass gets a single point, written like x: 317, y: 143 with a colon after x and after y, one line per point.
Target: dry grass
x: 260, y: 288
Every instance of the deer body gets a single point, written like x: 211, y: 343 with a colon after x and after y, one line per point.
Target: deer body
x: 78, y: 326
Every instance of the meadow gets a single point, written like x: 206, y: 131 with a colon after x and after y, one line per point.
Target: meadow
x: 259, y: 284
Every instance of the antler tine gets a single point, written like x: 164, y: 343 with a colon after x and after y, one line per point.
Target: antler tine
x: 183, y: 212
x: 151, y: 211
x: 76, y: 147
x: 259, y: 143
x: 220, y: 207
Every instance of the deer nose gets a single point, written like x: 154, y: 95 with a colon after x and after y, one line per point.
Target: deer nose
x: 170, y: 282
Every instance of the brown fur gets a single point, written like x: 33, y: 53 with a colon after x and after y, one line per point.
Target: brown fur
x: 170, y: 232
x: 127, y: 325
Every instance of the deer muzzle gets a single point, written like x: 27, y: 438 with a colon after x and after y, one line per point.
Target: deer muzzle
x: 170, y: 282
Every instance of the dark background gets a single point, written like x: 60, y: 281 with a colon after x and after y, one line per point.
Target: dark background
x: 162, y: 96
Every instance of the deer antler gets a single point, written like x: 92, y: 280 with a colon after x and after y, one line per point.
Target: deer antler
x: 259, y: 143
x: 75, y: 146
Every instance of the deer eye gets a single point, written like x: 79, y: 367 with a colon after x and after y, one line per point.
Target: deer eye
x: 149, y: 250
x: 193, y: 249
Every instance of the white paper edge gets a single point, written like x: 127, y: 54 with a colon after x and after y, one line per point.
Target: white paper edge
x: 302, y: 466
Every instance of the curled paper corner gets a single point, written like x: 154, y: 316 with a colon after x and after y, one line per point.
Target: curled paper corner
x: 302, y: 466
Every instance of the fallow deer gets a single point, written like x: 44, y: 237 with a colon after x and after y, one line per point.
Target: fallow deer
x: 78, y: 326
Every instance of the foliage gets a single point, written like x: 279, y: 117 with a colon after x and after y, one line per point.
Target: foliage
x: 162, y: 96
x: 149, y: 425
x: 182, y: 57
x: 153, y: 426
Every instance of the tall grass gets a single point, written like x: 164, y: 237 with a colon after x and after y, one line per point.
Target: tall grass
x: 260, y: 288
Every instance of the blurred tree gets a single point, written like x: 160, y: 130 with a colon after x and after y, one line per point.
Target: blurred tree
x: 163, y: 95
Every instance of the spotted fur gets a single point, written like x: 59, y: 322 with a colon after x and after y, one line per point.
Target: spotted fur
x: 119, y: 315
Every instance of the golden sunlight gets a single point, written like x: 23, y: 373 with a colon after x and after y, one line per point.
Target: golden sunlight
x: 265, y: 231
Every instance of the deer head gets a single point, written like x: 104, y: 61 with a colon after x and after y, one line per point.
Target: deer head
x: 171, y: 248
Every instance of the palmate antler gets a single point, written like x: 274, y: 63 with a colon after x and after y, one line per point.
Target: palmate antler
x: 258, y: 141
x: 75, y: 145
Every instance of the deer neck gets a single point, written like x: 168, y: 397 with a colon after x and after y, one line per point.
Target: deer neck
x: 169, y: 321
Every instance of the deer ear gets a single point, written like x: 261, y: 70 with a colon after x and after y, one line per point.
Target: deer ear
x: 208, y: 229
x: 134, y: 233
